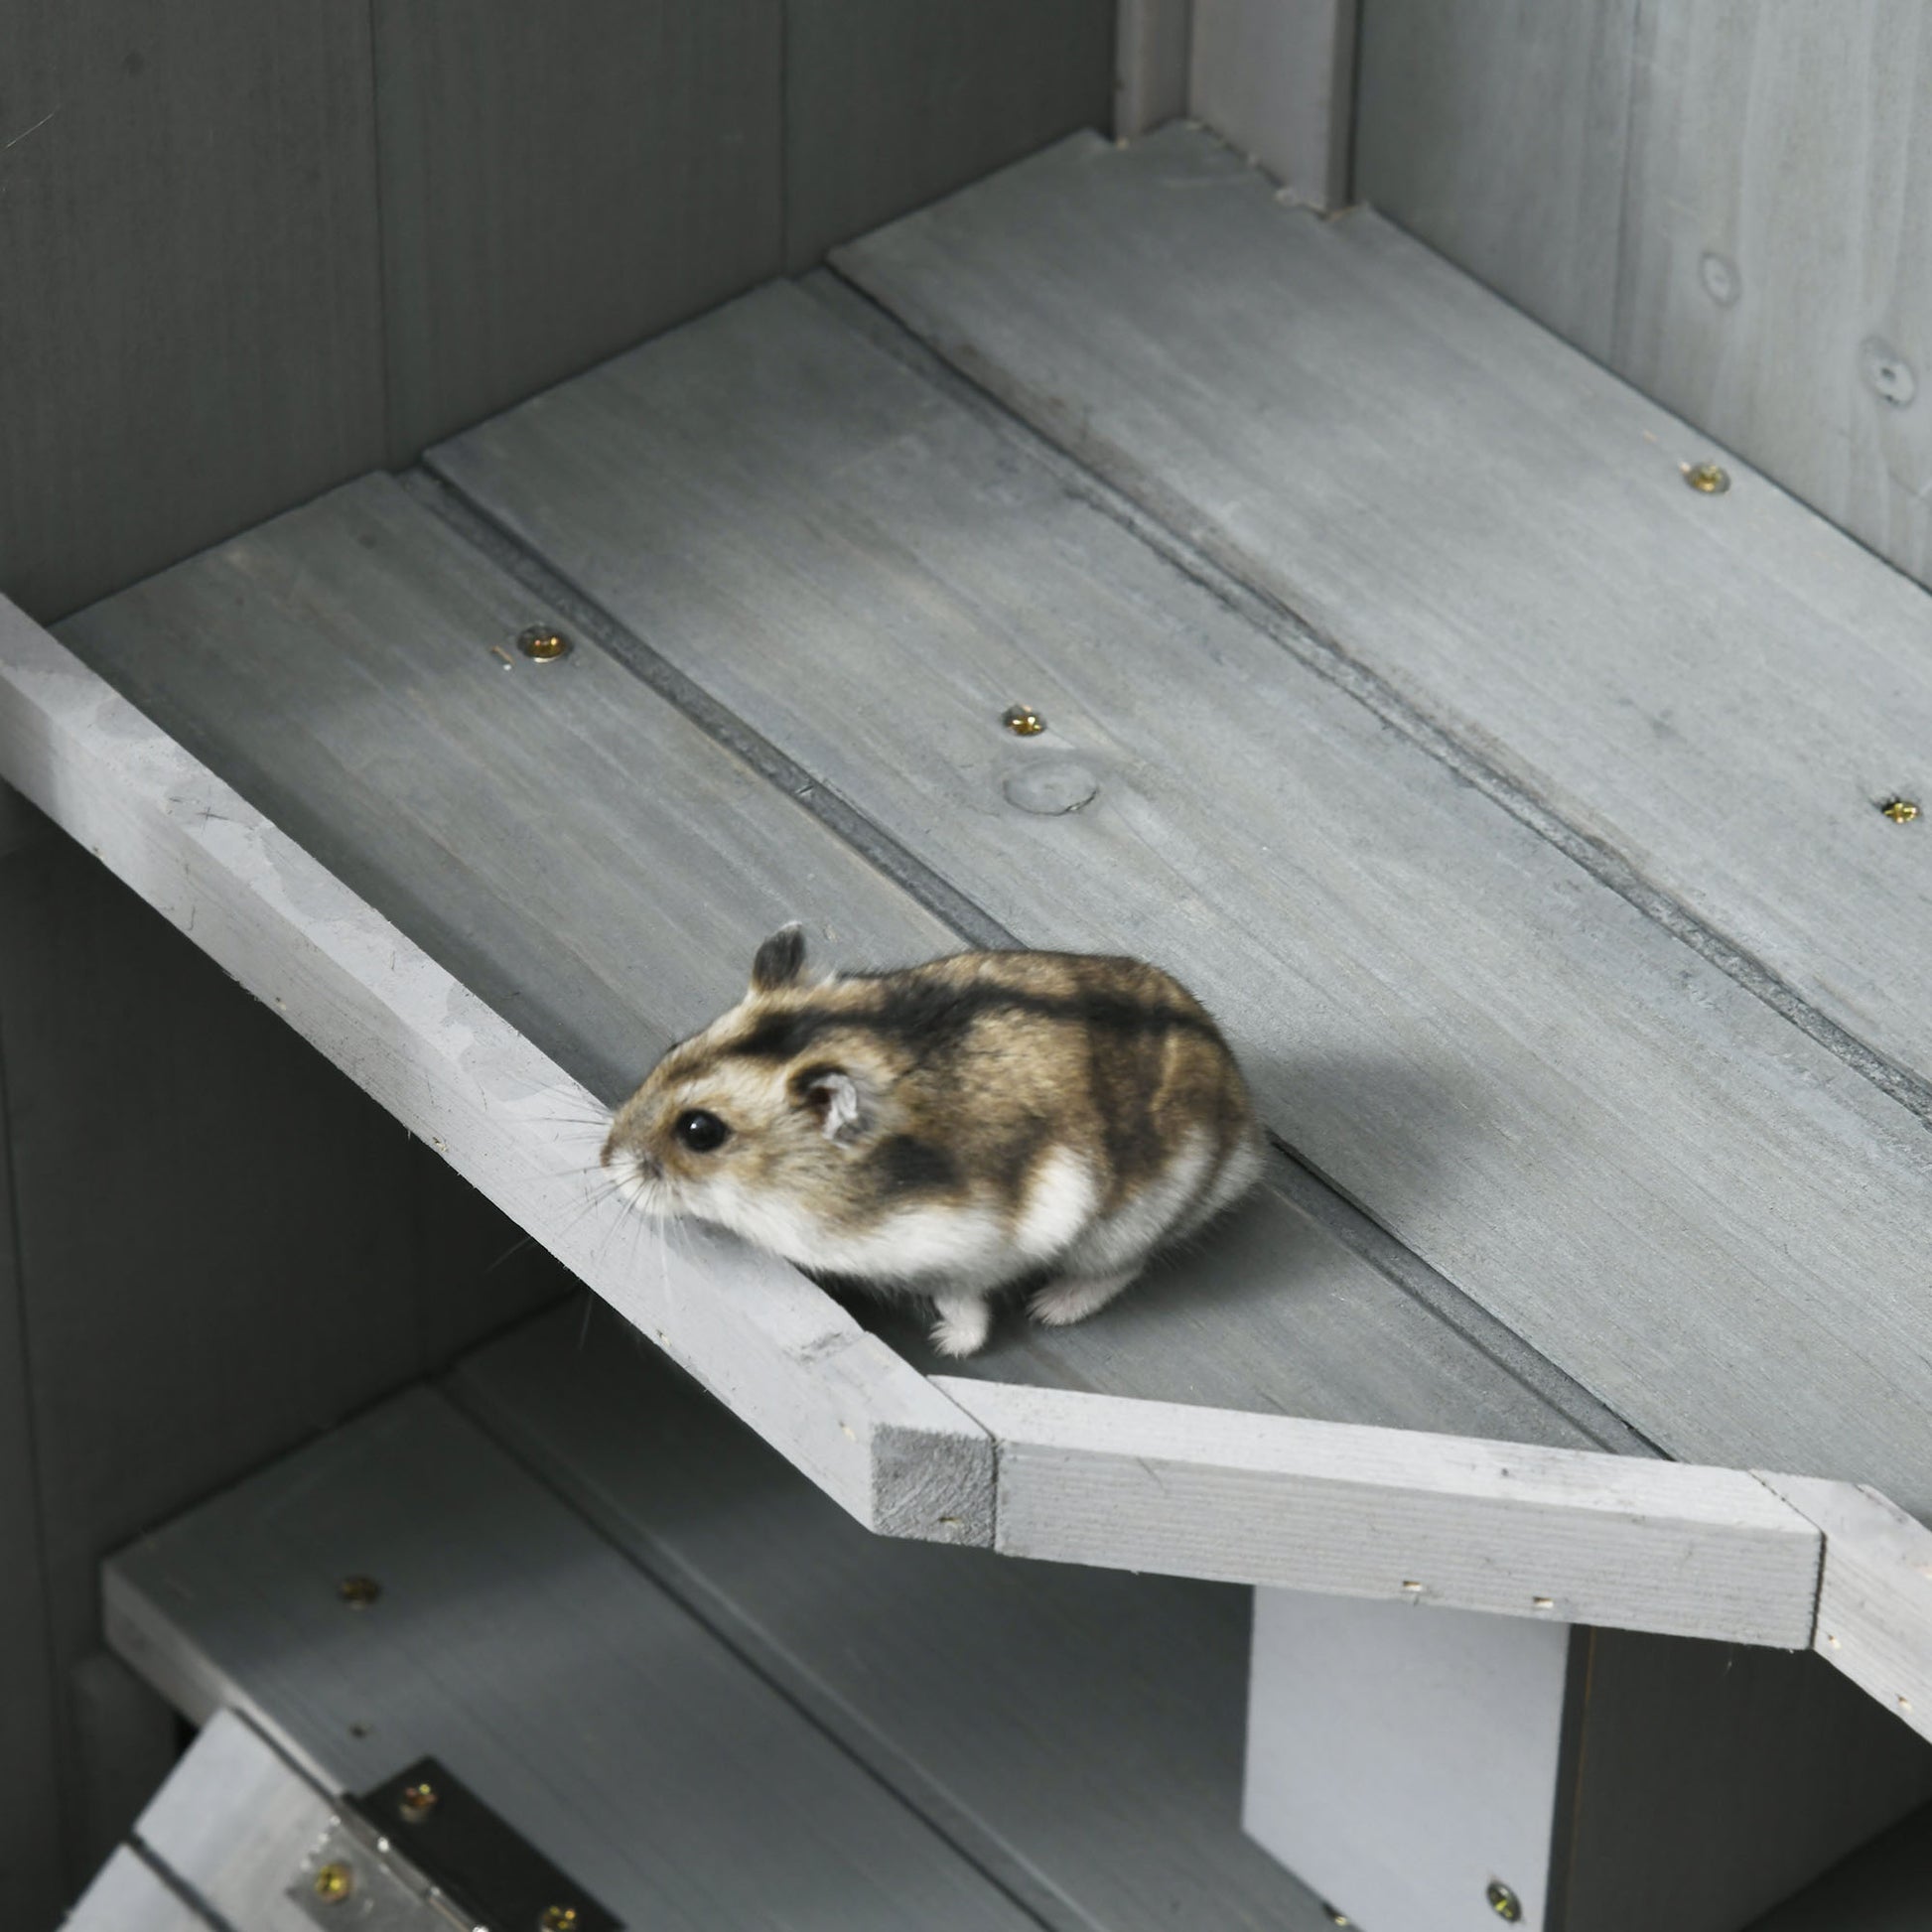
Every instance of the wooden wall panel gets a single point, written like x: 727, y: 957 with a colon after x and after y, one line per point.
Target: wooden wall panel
x: 889, y: 106
x: 223, y: 1247
x: 559, y: 182
x: 1775, y: 284
x: 31, y: 1889
x: 189, y: 303
x: 1494, y: 130
x: 1724, y: 200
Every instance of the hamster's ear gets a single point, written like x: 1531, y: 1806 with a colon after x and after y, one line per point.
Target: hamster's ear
x: 780, y: 960
x: 839, y: 1100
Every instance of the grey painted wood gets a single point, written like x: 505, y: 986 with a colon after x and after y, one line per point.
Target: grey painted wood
x: 1711, y: 1782
x: 511, y: 1120
x: 128, y: 1742
x: 1277, y: 78
x: 1153, y: 40
x: 129, y: 1896
x: 193, y: 336
x: 1443, y: 1522
x: 1497, y: 132
x: 1076, y: 1731
x: 32, y: 1884
x: 1874, y: 1606
x: 1489, y: 524
x: 564, y: 1689
x: 557, y: 185
x: 1773, y: 287
x: 1402, y: 1763
x: 888, y: 105
x: 1660, y: 1183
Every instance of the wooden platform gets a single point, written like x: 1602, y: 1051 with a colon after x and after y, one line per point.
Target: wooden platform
x: 714, y: 1700
x: 1513, y: 805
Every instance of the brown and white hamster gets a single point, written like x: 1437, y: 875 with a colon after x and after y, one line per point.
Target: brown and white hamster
x: 946, y: 1129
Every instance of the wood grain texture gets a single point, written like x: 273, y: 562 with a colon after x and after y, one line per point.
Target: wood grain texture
x: 1488, y: 522
x: 1077, y: 1732
x: 1611, y: 1146
x: 558, y: 186
x: 129, y: 1896
x: 1152, y: 43
x: 192, y: 338
x: 1874, y: 1609
x: 1353, y: 1511
x: 563, y: 1688
x: 888, y: 105
x: 1496, y: 132
x: 1773, y: 286
x: 1711, y: 1781
x: 511, y: 1120
x: 32, y: 1884
x: 1277, y: 79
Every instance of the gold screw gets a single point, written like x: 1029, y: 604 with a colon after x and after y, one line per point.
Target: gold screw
x: 1023, y: 721
x: 1708, y: 479
x: 359, y: 1593
x: 1901, y: 811
x: 419, y: 1800
x: 1504, y: 1902
x: 1335, y: 1917
x: 542, y: 643
x: 334, y: 1883
x: 560, y: 1918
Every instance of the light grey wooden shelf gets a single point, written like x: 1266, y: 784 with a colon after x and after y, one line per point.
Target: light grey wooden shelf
x: 1337, y: 585
x: 694, y: 1683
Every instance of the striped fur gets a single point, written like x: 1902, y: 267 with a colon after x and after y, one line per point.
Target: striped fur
x: 945, y: 1130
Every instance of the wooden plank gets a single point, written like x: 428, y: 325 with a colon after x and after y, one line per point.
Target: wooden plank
x: 1277, y: 78
x: 556, y: 188
x: 189, y: 194
x: 1152, y: 43
x: 32, y: 1884
x: 1492, y: 527
x: 1771, y: 287
x: 1874, y: 1608
x: 1355, y: 1511
x: 1498, y: 133
x: 1616, y: 1150
x: 506, y: 1117
x: 564, y: 1689
x: 886, y: 106
x: 1077, y: 1732
x: 235, y: 1824
x: 129, y: 1896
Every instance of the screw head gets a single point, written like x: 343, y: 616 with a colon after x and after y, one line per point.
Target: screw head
x: 419, y: 1800
x: 543, y: 643
x: 1901, y: 811
x: 359, y: 1593
x: 1708, y: 479
x: 1504, y: 1902
x: 334, y: 1883
x: 1023, y: 721
x: 560, y: 1918
x: 1335, y: 1917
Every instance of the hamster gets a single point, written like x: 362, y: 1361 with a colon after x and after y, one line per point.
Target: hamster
x: 949, y: 1129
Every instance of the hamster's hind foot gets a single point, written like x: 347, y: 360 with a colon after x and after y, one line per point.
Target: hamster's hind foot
x: 965, y: 1321
x: 1073, y: 1298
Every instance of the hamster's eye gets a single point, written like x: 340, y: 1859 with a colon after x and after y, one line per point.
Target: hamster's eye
x: 701, y: 1132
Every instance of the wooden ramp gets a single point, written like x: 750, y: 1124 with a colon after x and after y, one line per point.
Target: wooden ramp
x: 1516, y: 806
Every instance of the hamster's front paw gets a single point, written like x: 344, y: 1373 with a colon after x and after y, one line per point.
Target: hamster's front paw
x: 1073, y: 1298
x: 965, y: 1321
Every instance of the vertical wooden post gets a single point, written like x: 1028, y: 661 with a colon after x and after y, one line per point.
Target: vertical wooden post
x: 1428, y: 1770
x: 1277, y: 78
x: 1150, y: 45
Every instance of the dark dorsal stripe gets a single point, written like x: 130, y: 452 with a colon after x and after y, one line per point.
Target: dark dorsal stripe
x: 929, y: 1016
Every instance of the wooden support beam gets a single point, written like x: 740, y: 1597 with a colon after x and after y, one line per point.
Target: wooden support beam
x: 1152, y: 38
